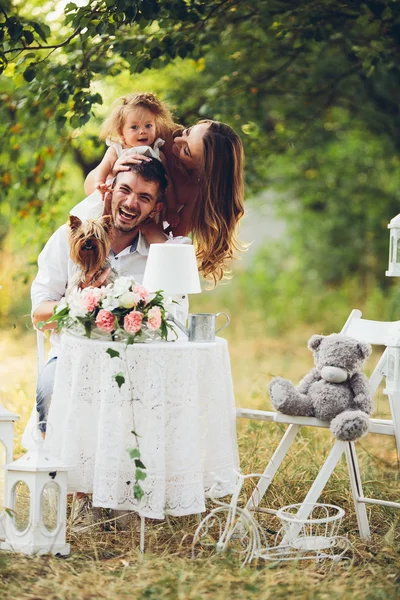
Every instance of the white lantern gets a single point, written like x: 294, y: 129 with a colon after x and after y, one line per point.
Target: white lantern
x: 7, y: 419
x: 393, y: 366
x: 36, y: 496
x: 394, y: 249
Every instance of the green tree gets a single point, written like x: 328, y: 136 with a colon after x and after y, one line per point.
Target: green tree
x: 312, y: 87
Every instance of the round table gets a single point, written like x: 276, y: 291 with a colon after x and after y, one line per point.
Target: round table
x: 177, y: 395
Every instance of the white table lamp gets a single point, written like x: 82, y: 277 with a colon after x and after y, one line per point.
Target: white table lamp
x: 173, y: 269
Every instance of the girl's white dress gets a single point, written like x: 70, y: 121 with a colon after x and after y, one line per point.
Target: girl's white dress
x: 92, y: 206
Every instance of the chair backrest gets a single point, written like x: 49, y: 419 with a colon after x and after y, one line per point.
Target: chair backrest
x: 375, y: 333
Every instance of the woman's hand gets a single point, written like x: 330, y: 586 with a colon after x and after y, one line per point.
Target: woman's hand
x: 153, y: 232
x: 124, y: 160
x: 173, y: 217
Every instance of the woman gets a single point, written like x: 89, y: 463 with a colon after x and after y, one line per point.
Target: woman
x: 205, y: 163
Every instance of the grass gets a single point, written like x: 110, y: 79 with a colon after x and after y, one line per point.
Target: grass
x: 107, y: 565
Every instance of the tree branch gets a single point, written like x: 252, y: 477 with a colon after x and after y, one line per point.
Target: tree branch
x: 49, y: 47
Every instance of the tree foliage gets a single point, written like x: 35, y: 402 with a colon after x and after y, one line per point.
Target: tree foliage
x: 312, y: 87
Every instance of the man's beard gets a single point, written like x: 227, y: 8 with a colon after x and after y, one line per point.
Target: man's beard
x: 126, y: 227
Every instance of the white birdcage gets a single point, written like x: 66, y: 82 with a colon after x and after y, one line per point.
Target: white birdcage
x: 394, y: 247
x: 36, y: 503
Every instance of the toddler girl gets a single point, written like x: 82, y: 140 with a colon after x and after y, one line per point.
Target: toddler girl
x: 132, y: 127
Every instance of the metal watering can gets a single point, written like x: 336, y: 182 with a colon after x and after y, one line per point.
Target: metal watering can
x: 201, y: 326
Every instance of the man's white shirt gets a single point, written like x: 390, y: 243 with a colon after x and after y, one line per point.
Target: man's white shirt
x: 56, y: 271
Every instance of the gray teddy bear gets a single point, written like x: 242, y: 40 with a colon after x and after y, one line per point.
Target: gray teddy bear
x: 335, y: 391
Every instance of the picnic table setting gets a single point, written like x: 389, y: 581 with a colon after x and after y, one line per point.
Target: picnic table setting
x: 143, y: 420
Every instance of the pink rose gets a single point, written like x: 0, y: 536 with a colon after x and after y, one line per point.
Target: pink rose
x: 91, y: 298
x: 142, y: 291
x: 154, y: 318
x: 133, y: 322
x: 105, y: 321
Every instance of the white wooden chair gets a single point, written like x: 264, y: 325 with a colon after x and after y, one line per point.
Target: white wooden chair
x: 373, y: 332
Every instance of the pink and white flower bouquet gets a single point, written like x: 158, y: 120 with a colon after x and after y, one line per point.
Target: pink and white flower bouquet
x: 122, y: 310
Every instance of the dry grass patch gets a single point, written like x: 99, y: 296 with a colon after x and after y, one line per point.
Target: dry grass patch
x: 107, y: 565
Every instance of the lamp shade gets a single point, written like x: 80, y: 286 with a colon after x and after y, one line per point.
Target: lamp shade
x: 173, y: 269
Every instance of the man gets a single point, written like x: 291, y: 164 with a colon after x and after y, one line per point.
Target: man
x: 137, y: 197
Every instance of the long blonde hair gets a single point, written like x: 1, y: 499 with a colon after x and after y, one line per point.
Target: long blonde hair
x: 124, y: 106
x: 220, y: 202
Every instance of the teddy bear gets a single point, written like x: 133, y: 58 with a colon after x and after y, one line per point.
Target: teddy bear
x: 335, y: 390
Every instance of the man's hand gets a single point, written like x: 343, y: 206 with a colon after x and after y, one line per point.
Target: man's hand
x: 95, y: 279
x: 42, y: 313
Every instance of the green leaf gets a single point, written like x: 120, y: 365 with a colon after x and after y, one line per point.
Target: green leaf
x: 63, y: 95
x: 14, y: 28
x: 70, y: 6
x: 119, y: 378
x: 134, y: 452
x: 96, y: 99
x: 112, y: 353
x: 138, y: 493
x: 42, y: 30
x: 84, y: 119
x: 28, y: 35
x: 75, y: 121
x: 29, y: 74
x: 130, y: 340
x: 139, y: 464
x: 140, y: 475
x: 88, y: 328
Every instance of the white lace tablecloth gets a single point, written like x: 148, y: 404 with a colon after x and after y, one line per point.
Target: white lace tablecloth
x: 182, y: 405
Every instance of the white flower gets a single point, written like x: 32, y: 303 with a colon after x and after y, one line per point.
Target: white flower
x: 129, y: 299
x: 76, y: 306
x: 62, y: 304
x: 122, y: 285
x: 109, y: 302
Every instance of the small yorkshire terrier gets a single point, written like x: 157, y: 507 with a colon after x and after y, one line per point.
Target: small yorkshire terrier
x: 90, y: 243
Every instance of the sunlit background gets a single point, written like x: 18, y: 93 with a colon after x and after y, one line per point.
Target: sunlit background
x: 312, y: 91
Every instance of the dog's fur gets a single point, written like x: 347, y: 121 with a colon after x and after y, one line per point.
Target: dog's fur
x: 90, y: 244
